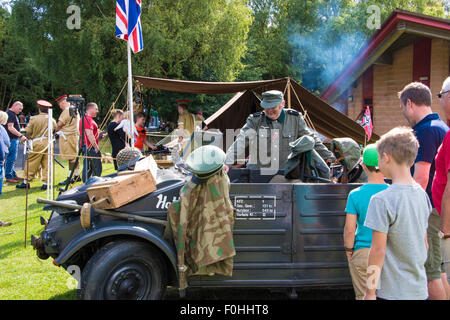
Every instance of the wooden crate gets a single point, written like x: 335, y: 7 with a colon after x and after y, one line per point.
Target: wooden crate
x: 124, y: 188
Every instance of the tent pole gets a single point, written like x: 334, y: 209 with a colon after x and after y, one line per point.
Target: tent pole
x: 289, y: 93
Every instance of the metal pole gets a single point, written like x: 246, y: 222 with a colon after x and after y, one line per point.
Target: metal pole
x: 130, y: 94
x: 50, y: 155
x: 26, y: 196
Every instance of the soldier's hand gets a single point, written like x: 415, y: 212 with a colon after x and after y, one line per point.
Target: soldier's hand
x: 23, y: 138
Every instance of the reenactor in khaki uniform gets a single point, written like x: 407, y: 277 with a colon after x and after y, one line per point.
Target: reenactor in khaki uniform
x: 274, y: 129
x: 187, y: 121
x: 67, y: 130
x: 37, y: 134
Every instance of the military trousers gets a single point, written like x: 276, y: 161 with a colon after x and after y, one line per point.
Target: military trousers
x: 37, y: 162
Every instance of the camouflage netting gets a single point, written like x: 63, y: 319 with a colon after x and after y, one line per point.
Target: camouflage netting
x: 202, y: 224
x: 128, y: 156
x: 348, y: 149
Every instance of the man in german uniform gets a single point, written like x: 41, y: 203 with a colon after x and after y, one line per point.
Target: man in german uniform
x: 273, y: 128
x: 67, y: 129
x: 37, y: 133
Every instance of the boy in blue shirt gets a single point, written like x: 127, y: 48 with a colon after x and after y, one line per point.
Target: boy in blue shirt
x: 357, y: 237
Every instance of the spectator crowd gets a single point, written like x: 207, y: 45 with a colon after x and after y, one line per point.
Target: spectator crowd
x: 397, y: 235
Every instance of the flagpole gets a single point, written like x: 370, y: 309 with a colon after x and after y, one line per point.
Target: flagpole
x: 130, y: 94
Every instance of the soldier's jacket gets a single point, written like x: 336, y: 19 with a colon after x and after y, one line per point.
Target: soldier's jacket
x: 188, y: 121
x: 201, y: 224
x: 37, y: 131
x: 70, y: 125
x: 287, y: 128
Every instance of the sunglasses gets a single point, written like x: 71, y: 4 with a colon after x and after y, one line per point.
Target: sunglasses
x: 441, y: 94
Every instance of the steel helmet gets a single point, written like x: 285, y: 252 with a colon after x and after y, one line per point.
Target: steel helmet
x: 205, y: 161
x: 128, y: 157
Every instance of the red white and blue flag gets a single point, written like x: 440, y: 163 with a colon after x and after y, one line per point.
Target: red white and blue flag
x: 128, y: 23
x: 366, y: 123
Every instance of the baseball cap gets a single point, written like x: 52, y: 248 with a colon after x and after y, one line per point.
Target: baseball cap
x: 370, y: 155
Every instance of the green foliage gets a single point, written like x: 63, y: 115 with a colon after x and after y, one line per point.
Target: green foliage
x: 209, y: 40
x: 20, y: 79
x: 313, y: 41
x: 189, y: 39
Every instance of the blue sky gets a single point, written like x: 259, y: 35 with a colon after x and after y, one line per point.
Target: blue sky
x: 4, y: 3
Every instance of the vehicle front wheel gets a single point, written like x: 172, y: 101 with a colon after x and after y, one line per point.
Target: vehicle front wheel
x: 124, y: 270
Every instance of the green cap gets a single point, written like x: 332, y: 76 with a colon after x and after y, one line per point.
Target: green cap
x: 370, y: 155
x: 271, y: 99
x: 205, y: 161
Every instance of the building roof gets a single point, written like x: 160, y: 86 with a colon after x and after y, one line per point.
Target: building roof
x: 400, y: 29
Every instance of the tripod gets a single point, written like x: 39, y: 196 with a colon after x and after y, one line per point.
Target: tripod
x: 83, y: 150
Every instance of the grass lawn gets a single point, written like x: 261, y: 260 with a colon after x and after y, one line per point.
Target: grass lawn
x: 22, y: 275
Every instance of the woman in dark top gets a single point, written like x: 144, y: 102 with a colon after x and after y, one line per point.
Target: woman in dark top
x: 117, y: 138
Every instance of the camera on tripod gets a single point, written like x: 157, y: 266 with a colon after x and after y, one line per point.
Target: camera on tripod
x: 76, y: 104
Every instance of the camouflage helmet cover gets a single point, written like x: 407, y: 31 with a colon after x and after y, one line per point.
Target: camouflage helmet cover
x: 128, y: 157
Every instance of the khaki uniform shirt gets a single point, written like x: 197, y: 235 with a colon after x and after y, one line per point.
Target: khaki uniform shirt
x: 259, y: 132
x: 37, y: 128
x: 188, y: 121
x: 69, y: 124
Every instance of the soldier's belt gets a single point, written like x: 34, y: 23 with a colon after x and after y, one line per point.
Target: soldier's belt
x: 39, y: 139
x: 68, y: 133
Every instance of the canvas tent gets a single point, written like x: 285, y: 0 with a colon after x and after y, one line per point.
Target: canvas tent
x: 323, y: 118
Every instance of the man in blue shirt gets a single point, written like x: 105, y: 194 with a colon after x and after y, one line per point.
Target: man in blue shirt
x: 415, y: 102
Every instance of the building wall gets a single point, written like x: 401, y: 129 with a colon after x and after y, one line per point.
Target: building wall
x: 390, y: 79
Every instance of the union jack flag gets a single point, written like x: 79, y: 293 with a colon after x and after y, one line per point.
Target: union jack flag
x: 128, y: 23
x: 366, y: 123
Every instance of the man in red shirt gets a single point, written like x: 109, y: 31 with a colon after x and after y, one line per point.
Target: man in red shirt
x: 141, y: 138
x: 89, y: 143
x: 441, y: 182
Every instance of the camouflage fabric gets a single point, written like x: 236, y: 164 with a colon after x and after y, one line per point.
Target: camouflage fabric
x: 201, y: 224
x: 348, y: 149
x: 127, y: 157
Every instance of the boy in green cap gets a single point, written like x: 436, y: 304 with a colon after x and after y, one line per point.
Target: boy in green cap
x: 357, y: 237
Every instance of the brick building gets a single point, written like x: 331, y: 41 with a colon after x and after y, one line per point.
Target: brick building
x: 408, y: 47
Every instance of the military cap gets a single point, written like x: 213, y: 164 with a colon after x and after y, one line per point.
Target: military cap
x: 271, y: 99
x: 128, y: 157
x: 44, y: 104
x: 205, y: 161
x: 183, y: 101
x: 64, y: 96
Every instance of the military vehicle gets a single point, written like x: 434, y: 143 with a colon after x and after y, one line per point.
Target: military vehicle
x: 286, y: 236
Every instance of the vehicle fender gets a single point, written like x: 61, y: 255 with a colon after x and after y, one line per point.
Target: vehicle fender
x: 144, y: 232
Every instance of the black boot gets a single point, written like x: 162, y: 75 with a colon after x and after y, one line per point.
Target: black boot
x: 23, y: 185
x: 65, y: 182
x: 44, y: 187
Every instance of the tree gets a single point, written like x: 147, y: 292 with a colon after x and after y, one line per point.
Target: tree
x: 19, y: 77
x: 189, y: 39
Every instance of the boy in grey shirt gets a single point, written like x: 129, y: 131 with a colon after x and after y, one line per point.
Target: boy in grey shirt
x: 398, y: 217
